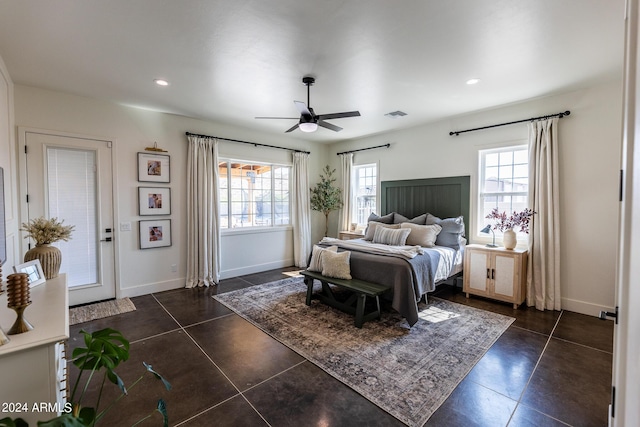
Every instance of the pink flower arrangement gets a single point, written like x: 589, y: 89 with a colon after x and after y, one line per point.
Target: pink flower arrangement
x: 516, y: 219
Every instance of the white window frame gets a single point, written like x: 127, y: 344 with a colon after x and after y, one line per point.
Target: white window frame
x: 481, y: 220
x: 354, y: 195
x: 254, y: 228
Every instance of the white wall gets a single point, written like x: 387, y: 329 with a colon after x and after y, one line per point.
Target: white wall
x: 144, y: 271
x: 590, y: 141
x: 589, y: 168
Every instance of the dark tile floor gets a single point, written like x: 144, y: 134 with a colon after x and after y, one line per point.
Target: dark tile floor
x: 547, y: 369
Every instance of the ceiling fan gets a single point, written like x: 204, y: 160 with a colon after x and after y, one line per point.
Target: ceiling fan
x: 309, y: 121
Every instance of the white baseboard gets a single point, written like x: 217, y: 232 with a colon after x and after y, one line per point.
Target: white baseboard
x: 258, y: 268
x: 584, y: 307
x: 149, y: 288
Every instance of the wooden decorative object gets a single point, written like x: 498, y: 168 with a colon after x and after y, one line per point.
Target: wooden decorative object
x: 18, y: 299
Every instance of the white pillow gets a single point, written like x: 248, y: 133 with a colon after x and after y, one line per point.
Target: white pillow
x: 371, y: 228
x: 336, y: 264
x: 316, y: 257
x: 389, y: 236
x: 422, y: 235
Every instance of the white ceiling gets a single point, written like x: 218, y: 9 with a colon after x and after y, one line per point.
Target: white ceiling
x: 232, y: 60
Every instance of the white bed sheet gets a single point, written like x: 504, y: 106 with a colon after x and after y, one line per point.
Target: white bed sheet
x: 450, y: 262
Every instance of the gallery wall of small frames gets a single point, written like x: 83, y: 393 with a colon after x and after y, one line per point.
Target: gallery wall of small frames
x: 154, y: 168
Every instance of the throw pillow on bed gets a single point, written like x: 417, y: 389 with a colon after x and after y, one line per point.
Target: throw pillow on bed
x: 336, y: 264
x: 316, y: 257
x: 399, y: 219
x: 422, y: 235
x: 385, y: 219
x: 390, y: 236
x: 452, y: 230
x: 371, y: 228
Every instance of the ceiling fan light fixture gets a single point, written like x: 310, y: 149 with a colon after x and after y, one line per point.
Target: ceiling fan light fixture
x: 308, y: 127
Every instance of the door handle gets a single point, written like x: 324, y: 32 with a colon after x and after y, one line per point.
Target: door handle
x: 106, y: 239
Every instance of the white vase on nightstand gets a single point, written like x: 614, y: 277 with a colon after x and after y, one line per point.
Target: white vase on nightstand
x: 509, y: 239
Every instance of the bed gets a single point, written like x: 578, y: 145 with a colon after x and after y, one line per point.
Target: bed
x: 443, y: 201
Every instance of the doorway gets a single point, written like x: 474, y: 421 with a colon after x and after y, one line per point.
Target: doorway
x: 70, y: 178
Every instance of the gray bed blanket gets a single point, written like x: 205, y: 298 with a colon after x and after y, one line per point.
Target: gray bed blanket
x: 410, y: 278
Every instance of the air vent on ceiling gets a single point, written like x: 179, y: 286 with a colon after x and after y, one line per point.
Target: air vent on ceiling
x: 396, y: 114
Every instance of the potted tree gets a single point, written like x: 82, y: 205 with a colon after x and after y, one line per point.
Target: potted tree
x: 325, y: 197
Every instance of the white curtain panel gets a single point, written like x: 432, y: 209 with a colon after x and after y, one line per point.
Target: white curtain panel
x: 543, y: 273
x: 301, y: 209
x: 347, y: 166
x: 203, y: 220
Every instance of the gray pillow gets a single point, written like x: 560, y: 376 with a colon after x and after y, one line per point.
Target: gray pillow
x: 452, y: 230
x: 386, y: 219
x: 420, y: 219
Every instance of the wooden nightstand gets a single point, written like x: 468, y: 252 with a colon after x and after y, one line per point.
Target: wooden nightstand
x: 496, y: 273
x: 348, y: 235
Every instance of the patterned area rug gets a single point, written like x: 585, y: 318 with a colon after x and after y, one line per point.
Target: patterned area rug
x: 408, y: 372
x: 100, y: 310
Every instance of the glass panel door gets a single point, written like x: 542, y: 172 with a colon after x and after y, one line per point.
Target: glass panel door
x: 72, y: 195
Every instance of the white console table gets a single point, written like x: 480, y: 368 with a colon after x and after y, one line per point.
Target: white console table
x: 32, y: 364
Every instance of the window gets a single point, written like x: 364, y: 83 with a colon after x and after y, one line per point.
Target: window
x: 253, y: 194
x: 504, y: 181
x: 365, y: 188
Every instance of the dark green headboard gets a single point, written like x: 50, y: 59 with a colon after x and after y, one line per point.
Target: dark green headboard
x: 442, y: 197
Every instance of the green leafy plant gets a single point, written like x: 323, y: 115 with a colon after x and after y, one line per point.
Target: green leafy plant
x: 325, y: 197
x: 103, y: 352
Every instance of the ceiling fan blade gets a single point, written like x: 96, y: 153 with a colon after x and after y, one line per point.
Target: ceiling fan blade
x: 284, y: 118
x: 339, y: 115
x: 292, y: 128
x: 329, y: 126
x: 302, y: 107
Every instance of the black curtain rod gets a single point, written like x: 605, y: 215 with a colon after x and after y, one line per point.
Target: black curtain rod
x: 255, y: 144
x: 559, y: 115
x: 363, y: 149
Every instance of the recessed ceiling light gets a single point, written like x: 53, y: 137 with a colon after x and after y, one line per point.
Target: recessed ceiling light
x: 161, y: 82
x: 473, y: 81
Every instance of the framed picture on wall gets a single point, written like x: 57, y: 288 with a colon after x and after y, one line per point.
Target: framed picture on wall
x: 155, y: 233
x: 153, y: 167
x: 154, y: 201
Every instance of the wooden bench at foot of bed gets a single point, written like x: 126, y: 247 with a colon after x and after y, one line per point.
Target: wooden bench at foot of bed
x: 361, y: 290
